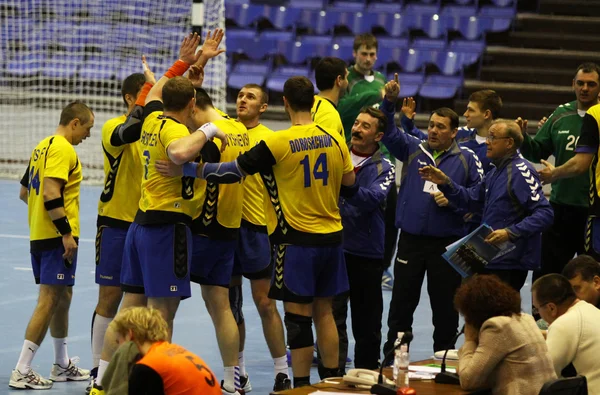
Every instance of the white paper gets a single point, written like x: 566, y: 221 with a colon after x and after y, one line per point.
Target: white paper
x: 429, y: 369
x: 430, y: 187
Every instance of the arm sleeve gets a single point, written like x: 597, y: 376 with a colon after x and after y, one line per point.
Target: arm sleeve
x: 258, y: 158
x: 59, y: 160
x: 589, y: 138
x: 409, y: 127
x: 474, y: 178
x: 562, y: 343
x: 399, y: 144
x: 476, y: 362
x: 129, y: 131
x: 527, y: 190
x: 371, y: 197
x: 143, y: 380
x: 464, y: 199
x: 25, y: 179
x: 541, y: 146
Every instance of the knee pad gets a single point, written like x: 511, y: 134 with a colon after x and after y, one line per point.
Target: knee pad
x: 236, y: 300
x: 299, y: 331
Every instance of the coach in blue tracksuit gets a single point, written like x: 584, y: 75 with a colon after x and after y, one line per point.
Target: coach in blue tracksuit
x: 363, y: 219
x: 427, y: 222
x: 514, y: 204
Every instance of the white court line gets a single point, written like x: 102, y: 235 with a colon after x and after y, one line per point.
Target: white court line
x: 6, y: 236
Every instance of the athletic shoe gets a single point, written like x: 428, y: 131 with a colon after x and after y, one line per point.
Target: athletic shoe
x: 245, y: 383
x: 282, y: 382
x: 97, y: 390
x: 387, y: 281
x: 70, y: 373
x: 225, y: 390
x: 93, y: 375
x: 31, y: 380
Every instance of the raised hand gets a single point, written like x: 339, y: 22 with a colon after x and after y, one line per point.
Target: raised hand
x: 522, y: 124
x: 392, y: 89
x: 546, y: 174
x: 542, y: 122
x: 409, y: 106
x: 187, y: 51
x: 196, y: 75
x: 210, y: 48
x: 433, y: 174
x: 148, y: 74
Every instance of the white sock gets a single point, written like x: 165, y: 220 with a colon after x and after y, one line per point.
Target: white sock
x: 61, y: 356
x: 241, y: 364
x: 98, y: 331
x: 101, y: 369
x: 27, y: 353
x: 281, y: 365
x: 232, y: 377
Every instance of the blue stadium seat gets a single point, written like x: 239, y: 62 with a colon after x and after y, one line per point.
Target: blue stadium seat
x: 246, y: 72
x: 62, y: 65
x: 466, y: 21
x: 26, y: 65
x: 342, y: 48
x: 244, y: 14
x: 357, y: 21
x: 501, y: 17
x: 319, y: 21
x: 466, y: 2
x: 441, y: 87
x: 503, y: 3
x: 349, y: 5
x: 390, y: 17
x: 308, y: 4
x: 422, y: 51
x: 409, y: 83
x: 238, y: 81
x: 272, y: 42
x: 276, y: 81
x: 282, y: 17
x: 467, y: 51
x: 308, y: 47
x: 95, y: 68
x: 240, y: 40
x: 391, y: 49
x: 448, y: 62
x: 423, y: 16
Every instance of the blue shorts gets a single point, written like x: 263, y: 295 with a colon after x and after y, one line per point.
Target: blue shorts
x: 212, y: 261
x: 302, y: 273
x: 49, y: 267
x: 110, y: 243
x: 156, y: 260
x: 252, y: 255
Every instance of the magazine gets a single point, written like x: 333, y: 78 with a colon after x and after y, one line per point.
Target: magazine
x: 471, y: 254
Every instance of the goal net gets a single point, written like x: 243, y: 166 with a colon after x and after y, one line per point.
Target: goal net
x: 55, y: 51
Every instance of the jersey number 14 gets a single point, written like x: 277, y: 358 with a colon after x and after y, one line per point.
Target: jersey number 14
x: 319, y: 171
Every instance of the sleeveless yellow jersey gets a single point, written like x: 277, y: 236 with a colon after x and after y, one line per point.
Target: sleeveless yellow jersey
x: 164, y: 200
x: 120, y: 197
x: 325, y: 113
x: 53, y: 157
x: 304, y: 185
x: 219, y: 206
x: 253, y: 209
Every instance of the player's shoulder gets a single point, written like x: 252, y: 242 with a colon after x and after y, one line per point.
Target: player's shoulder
x: 594, y: 111
x: 113, y: 122
x: 523, y: 166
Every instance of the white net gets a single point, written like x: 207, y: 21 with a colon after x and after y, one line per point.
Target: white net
x: 55, y: 51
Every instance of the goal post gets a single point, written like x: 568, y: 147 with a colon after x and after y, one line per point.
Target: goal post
x: 53, y: 52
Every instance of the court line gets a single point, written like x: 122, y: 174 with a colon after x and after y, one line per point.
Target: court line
x: 7, y: 236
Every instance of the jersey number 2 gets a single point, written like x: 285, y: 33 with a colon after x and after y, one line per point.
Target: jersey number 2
x: 34, y: 180
x: 147, y: 163
x: 319, y: 171
x: 572, y: 142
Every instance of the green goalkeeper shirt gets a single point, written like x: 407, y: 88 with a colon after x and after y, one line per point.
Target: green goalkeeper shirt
x: 559, y: 137
x: 363, y: 91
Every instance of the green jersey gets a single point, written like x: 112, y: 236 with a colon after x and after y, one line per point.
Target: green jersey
x: 559, y: 137
x: 363, y: 91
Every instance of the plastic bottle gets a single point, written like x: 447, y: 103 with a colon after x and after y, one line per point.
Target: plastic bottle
x: 397, y: 355
x: 403, y: 362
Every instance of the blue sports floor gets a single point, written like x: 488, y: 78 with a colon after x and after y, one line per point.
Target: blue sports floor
x: 193, y: 327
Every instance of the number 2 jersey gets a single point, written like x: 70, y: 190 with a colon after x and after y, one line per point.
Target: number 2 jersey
x: 163, y: 200
x: 302, y: 168
x: 218, y: 207
x: 53, y: 157
x: 120, y: 197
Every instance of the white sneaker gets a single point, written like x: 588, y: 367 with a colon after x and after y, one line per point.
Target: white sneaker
x: 31, y: 380
x: 70, y: 373
x: 245, y: 383
x: 226, y: 390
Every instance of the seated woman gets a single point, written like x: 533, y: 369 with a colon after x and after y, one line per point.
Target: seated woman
x: 504, y: 350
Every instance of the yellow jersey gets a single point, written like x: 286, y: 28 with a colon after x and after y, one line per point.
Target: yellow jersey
x: 253, y: 208
x: 53, y: 157
x: 302, y: 168
x: 163, y: 200
x: 120, y: 197
x: 218, y: 207
x: 325, y: 113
